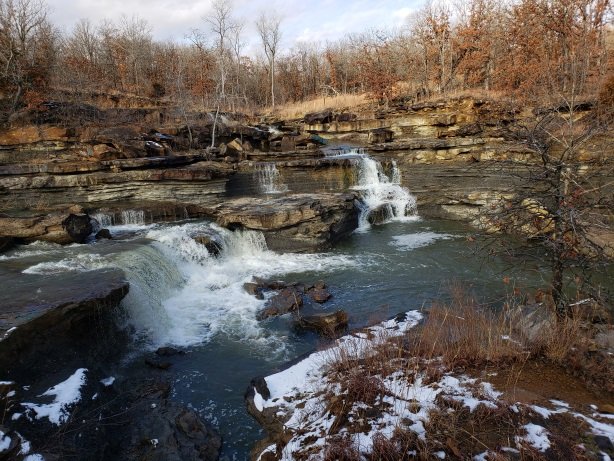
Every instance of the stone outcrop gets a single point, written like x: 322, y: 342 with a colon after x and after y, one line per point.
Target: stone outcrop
x: 48, y: 317
x: 68, y: 226
x: 298, y: 222
x: 287, y: 300
x: 325, y: 324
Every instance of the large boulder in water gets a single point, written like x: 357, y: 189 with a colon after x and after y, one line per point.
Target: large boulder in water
x: 324, y: 324
x: 213, y: 248
x: 300, y: 222
x: 78, y: 227
x: 287, y: 300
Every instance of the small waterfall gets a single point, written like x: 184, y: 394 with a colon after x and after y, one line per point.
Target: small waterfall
x: 269, y: 179
x: 133, y: 217
x: 383, y: 196
x: 123, y: 218
x: 346, y: 152
x: 105, y: 220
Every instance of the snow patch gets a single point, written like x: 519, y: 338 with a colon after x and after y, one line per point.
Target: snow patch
x: 106, y: 382
x: 537, y: 437
x: 66, y: 393
x: 5, y: 442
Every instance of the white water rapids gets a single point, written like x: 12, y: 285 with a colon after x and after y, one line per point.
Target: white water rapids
x: 182, y: 295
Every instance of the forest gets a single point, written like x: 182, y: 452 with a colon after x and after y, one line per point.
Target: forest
x: 530, y: 50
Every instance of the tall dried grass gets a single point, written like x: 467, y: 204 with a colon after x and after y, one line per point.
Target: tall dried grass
x: 299, y: 109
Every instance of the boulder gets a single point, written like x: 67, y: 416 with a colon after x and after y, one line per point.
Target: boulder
x: 213, y: 248
x: 287, y: 300
x: 254, y: 289
x: 322, y: 117
x: 154, y: 149
x: 531, y: 320
x: 300, y: 222
x: 235, y: 148
x: 104, y: 234
x: 167, y: 351
x: 105, y: 152
x: 380, y: 214
x: 78, y: 226
x: 327, y: 324
x: 172, y: 432
x: 319, y: 295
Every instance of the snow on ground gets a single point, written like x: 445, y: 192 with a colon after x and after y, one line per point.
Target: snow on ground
x: 5, y: 442
x: 66, y: 393
x: 537, y: 437
x: 297, y: 399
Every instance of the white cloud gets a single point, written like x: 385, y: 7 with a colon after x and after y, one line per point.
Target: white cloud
x: 302, y: 20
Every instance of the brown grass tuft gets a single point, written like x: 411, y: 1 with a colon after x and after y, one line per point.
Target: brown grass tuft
x: 299, y: 109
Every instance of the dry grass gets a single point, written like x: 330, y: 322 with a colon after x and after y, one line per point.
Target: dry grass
x: 299, y: 109
x: 464, y: 336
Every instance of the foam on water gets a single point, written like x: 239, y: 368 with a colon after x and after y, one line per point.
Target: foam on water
x: 408, y: 242
x: 37, y: 248
x: 211, y: 298
x: 77, y: 263
x: 180, y: 294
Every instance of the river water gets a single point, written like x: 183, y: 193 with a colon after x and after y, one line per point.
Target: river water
x: 182, y: 296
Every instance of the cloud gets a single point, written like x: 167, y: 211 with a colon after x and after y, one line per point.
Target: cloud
x: 302, y: 21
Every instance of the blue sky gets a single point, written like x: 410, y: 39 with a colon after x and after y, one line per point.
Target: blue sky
x: 302, y: 20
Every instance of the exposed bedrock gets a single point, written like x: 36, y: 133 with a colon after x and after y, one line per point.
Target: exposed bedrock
x: 71, y: 225
x: 301, y: 222
x: 54, y: 322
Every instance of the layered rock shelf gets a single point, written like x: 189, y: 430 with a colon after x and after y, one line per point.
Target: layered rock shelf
x: 299, y: 222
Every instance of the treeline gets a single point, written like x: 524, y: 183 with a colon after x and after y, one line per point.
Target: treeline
x: 528, y: 48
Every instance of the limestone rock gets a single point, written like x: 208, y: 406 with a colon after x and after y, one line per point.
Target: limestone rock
x: 253, y: 289
x: 324, y: 324
x: 299, y: 222
x: 319, y: 295
x: 69, y: 226
x: 287, y: 300
x: 325, y: 116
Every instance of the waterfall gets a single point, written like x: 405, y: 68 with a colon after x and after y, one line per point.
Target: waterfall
x: 133, y: 217
x: 384, y: 199
x: 105, y: 220
x: 269, y: 179
x: 345, y: 152
x: 128, y: 218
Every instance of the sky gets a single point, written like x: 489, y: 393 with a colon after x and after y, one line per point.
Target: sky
x: 301, y: 20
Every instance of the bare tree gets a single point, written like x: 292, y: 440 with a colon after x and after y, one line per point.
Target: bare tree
x: 220, y: 24
x: 564, y: 196
x: 270, y: 34
x: 24, y: 33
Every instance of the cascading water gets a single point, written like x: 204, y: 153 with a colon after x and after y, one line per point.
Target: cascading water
x: 182, y: 295
x: 383, y: 196
x: 269, y: 179
x: 384, y: 199
x: 124, y: 218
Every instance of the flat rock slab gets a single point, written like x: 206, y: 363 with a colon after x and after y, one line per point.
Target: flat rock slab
x: 301, y: 222
x: 43, y: 299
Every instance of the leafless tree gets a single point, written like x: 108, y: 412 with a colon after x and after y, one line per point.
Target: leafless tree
x: 24, y: 34
x: 270, y: 35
